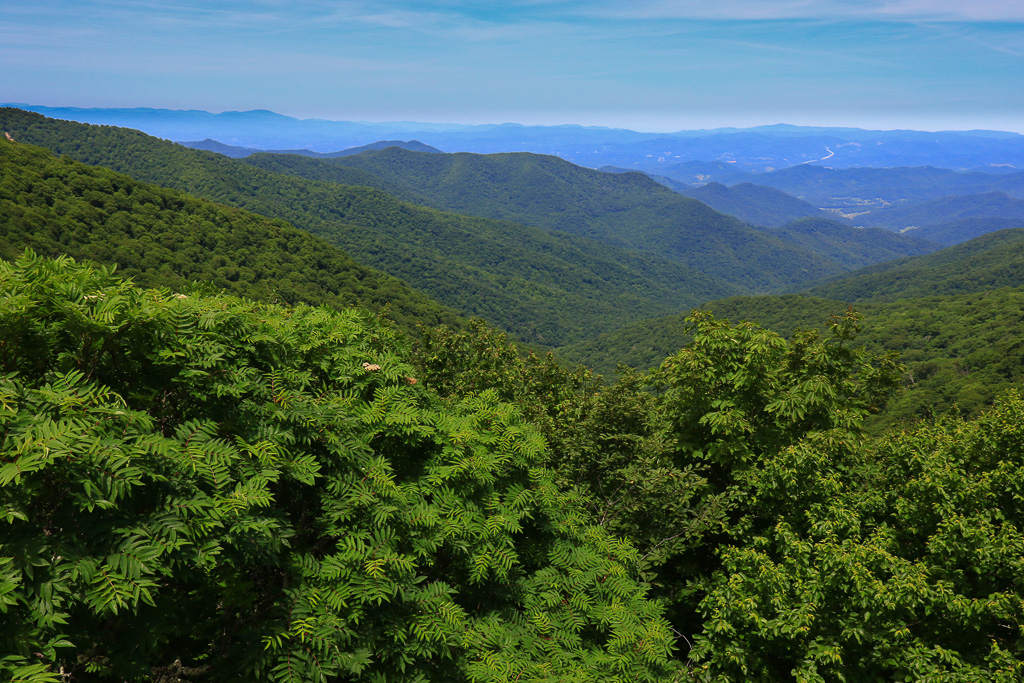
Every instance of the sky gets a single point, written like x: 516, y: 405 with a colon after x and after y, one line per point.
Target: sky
x: 649, y: 65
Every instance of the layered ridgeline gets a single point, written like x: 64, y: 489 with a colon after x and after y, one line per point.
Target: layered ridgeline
x: 866, y: 189
x: 848, y: 246
x: 954, y: 316
x: 520, y: 278
x: 991, y: 261
x: 754, y: 204
x: 932, y: 204
x: 952, y: 220
x: 159, y: 236
x: 206, y: 489
x: 239, y: 152
x: 625, y: 210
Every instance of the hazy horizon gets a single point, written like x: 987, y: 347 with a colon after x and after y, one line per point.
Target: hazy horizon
x: 652, y: 66
x: 441, y: 123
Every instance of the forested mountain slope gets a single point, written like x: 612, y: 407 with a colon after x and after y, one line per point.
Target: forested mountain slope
x: 645, y: 344
x: 955, y: 232
x: 520, y: 278
x: 625, y: 210
x: 960, y: 350
x: 236, y: 152
x: 849, y: 246
x: 949, y: 209
x: 162, y: 237
x: 877, y: 187
x: 754, y: 204
x: 987, y: 262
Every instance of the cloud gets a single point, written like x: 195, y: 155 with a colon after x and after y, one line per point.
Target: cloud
x: 864, y: 10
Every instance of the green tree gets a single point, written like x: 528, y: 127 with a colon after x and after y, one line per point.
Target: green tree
x: 729, y: 402
x: 207, y: 488
x: 897, y: 562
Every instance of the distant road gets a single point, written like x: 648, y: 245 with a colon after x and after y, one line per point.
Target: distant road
x: 830, y: 155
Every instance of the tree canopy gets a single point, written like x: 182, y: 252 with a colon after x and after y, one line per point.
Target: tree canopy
x: 209, y: 487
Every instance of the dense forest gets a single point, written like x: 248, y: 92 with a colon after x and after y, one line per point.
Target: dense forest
x: 201, y: 487
x: 519, y: 277
x: 629, y: 210
x: 242, y: 455
x: 163, y: 237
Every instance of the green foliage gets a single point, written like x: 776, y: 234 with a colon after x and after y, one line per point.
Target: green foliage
x: 753, y: 204
x: 162, y: 237
x: 606, y: 443
x: 901, y: 563
x: 456, y: 363
x: 203, y: 487
x: 736, y: 393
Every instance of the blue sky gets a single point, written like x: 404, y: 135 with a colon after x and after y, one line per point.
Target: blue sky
x: 654, y: 65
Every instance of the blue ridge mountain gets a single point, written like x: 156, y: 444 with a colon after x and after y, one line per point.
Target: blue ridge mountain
x: 755, y: 204
x: 967, y: 272
x: 691, y: 173
x: 987, y: 262
x: 518, y: 277
x: 236, y: 152
x: 165, y: 238
x: 850, y: 246
x: 860, y: 190
x: 626, y: 210
x: 757, y: 149
x: 955, y: 232
x: 949, y: 210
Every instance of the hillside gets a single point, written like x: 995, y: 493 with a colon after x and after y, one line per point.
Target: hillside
x: 851, y: 247
x: 624, y: 210
x: 960, y: 350
x: 519, y: 278
x: 647, y: 343
x: 701, y: 172
x: 858, y: 190
x: 955, y: 232
x: 755, y: 204
x: 162, y: 237
x: 997, y: 205
x: 988, y: 262
x: 236, y: 152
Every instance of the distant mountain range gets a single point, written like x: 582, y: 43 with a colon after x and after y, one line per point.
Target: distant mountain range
x: 861, y: 190
x: 624, y: 210
x: 558, y: 254
x: 950, y: 209
x: 759, y: 149
x: 755, y: 204
x: 516, y: 238
x: 242, y: 152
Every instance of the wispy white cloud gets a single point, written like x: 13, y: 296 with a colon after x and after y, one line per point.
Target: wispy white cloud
x: 865, y: 10
x: 955, y: 10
